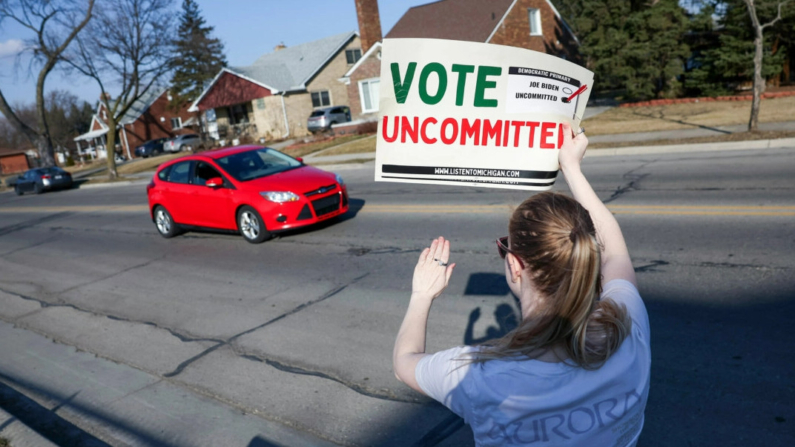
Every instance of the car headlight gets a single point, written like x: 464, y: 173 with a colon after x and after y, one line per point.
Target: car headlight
x: 340, y: 180
x: 280, y: 196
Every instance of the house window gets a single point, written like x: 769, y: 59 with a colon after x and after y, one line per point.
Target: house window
x: 261, y: 103
x: 238, y: 114
x: 320, y: 99
x: 176, y: 123
x: 353, y: 56
x: 535, y: 21
x: 368, y: 92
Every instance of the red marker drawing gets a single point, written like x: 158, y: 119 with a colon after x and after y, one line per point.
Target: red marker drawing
x: 580, y: 90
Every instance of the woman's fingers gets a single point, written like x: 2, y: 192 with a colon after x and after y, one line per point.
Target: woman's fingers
x: 445, y: 256
x: 424, y: 255
x: 448, y: 274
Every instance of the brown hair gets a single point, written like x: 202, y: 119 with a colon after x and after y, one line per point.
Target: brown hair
x: 555, y: 238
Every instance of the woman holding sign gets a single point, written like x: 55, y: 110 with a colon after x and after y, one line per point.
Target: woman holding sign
x: 576, y: 370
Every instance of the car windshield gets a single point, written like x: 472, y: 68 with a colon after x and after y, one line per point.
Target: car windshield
x: 257, y: 163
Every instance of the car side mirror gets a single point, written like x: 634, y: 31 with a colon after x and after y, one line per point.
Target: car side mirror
x: 301, y: 159
x: 215, y: 182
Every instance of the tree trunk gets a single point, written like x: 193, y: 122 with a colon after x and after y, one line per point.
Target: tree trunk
x: 759, y: 82
x: 110, y: 150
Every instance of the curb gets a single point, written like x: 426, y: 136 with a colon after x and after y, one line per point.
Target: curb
x: 699, y: 147
x: 632, y: 150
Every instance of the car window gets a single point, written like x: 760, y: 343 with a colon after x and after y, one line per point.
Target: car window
x: 180, y: 172
x: 257, y: 163
x: 316, y: 113
x: 204, y: 172
x: 163, y: 174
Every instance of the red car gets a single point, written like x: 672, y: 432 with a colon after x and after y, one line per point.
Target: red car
x: 253, y: 190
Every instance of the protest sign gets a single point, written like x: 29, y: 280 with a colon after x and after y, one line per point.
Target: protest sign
x: 474, y: 114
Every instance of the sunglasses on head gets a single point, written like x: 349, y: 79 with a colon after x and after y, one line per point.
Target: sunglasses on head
x: 503, y: 250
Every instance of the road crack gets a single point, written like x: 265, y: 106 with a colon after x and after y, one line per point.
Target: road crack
x: 181, y: 367
x: 632, y: 184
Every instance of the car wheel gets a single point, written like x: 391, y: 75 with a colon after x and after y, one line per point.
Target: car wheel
x: 17, y: 190
x: 251, y: 226
x: 165, y: 223
x: 37, y: 189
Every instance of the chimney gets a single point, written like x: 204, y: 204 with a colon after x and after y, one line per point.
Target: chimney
x: 369, y: 23
x: 279, y: 47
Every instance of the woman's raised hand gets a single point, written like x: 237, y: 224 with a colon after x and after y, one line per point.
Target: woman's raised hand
x: 573, y: 148
x: 432, y: 273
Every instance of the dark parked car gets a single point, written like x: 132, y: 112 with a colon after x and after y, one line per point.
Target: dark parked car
x: 43, y: 179
x: 150, y: 148
x: 322, y: 119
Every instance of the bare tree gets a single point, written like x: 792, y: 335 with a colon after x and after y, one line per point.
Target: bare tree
x: 127, y: 49
x: 759, y: 81
x: 55, y: 25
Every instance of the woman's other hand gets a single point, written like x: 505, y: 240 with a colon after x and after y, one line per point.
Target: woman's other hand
x: 573, y: 149
x: 430, y: 276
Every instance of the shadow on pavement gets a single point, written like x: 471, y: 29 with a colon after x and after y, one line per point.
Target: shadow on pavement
x: 722, y: 373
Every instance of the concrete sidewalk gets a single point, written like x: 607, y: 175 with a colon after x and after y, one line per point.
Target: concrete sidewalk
x: 52, y: 394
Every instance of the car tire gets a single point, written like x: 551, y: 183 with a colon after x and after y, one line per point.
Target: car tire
x: 37, y: 189
x: 17, y: 190
x: 165, y: 223
x: 251, y: 225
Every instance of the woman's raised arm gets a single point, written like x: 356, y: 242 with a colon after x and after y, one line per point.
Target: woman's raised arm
x: 616, y: 263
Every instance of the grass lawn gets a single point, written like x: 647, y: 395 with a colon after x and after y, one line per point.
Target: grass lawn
x: 359, y: 146
x: 310, y: 148
x: 147, y: 164
x: 687, y: 116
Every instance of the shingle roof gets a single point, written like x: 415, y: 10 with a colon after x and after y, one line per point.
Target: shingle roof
x: 292, y: 67
x: 141, y: 105
x: 469, y: 20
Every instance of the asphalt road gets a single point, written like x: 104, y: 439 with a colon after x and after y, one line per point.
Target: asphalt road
x: 300, y: 329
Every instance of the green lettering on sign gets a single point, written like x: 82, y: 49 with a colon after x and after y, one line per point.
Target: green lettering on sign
x: 463, y: 71
x: 482, y: 84
x: 433, y: 67
x: 402, y: 86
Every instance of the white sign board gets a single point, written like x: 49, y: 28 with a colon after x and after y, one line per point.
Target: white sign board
x: 474, y: 114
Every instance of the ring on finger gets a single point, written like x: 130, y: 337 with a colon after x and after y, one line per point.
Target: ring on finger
x: 441, y: 263
x: 582, y: 130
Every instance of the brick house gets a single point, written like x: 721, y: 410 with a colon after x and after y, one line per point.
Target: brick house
x: 532, y: 24
x: 273, y: 97
x: 148, y: 118
x: 14, y: 161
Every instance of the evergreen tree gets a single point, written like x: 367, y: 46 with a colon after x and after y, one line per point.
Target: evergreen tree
x: 632, y: 45
x: 198, y: 56
x: 729, y: 64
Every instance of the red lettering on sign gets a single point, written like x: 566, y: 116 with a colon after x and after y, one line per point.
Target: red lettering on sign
x: 560, y: 136
x: 445, y: 124
x: 517, y: 129
x: 423, y: 133
x: 387, y: 138
x: 505, y: 129
x: 532, y: 125
x: 470, y: 130
x: 406, y: 128
x: 492, y: 131
x: 546, y: 133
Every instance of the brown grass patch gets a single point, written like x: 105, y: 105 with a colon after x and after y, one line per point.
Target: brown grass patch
x: 360, y: 146
x: 299, y: 150
x: 148, y: 164
x: 687, y: 116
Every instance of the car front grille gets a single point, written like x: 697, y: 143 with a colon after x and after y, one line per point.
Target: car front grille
x: 326, y: 205
x: 321, y: 190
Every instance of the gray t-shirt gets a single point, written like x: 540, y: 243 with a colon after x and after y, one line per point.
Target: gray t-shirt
x: 524, y: 402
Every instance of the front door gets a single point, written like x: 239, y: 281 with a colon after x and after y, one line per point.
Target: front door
x: 177, y: 193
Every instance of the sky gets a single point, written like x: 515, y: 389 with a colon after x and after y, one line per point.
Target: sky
x: 248, y: 29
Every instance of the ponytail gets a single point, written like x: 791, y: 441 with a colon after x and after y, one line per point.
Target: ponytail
x: 556, y: 240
